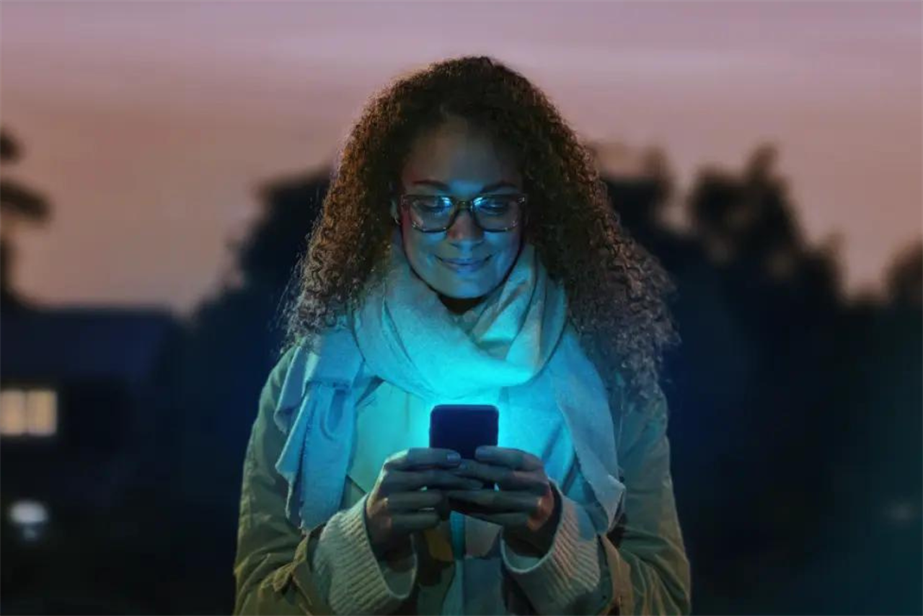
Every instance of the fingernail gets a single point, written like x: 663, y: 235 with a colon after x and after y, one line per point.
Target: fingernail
x: 453, y: 456
x: 481, y: 451
x: 463, y: 466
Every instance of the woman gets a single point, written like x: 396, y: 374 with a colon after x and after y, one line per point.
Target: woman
x: 466, y: 252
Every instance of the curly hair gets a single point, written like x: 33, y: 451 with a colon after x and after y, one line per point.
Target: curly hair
x: 617, y: 292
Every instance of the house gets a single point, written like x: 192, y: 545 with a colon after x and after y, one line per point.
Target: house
x: 84, y: 408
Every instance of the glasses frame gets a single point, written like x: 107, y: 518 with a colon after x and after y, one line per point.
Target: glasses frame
x: 465, y: 204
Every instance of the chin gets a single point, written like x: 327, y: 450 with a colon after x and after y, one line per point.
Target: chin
x: 471, y: 295
x: 462, y: 292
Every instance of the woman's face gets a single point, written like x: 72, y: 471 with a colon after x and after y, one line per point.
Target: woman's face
x: 458, y: 161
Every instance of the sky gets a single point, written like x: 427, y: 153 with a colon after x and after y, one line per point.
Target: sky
x: 150, y: 125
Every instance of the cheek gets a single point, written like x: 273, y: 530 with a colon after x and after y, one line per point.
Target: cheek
x: 505, y: 255
x: 506, y: 244
x: 419, y: 247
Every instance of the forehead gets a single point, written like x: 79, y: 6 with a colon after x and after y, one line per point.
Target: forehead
x: 456, y: 154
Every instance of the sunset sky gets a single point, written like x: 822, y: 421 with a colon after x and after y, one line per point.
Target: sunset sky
x: 148, y: 125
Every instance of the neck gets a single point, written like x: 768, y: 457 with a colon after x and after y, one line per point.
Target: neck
x: 460, y: 305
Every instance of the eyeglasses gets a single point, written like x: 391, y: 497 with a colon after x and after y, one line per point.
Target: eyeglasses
x: 435, y: 213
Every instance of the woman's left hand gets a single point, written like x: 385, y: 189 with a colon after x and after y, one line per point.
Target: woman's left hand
x: 525, y: 505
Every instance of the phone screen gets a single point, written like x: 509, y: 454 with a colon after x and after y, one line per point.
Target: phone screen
x: 463, y: 427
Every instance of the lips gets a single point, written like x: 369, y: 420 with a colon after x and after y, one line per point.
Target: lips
x: 462, y: 261
x: 464, y: 265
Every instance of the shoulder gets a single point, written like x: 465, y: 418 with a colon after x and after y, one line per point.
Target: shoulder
x: 277, y: 376
x: 284, y: 363
x: 640, y: 418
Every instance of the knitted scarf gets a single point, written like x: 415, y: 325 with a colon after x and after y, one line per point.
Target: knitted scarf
x: 515, y: 349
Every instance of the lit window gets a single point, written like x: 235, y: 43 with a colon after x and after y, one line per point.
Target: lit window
x: 42, y: 411
x: 12, y: 412
x: 28, y: 412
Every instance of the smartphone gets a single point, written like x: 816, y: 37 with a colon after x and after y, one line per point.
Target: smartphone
x: 464, y: 428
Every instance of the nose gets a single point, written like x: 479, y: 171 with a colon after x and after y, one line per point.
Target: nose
x: 464, y: 228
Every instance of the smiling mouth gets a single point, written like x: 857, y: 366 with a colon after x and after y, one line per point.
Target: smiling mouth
x: 463, y: 261
x: 463, y: 264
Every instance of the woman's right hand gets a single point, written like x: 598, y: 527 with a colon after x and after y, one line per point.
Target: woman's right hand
x: 398, y: 506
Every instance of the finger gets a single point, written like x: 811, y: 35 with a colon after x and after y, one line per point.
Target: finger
x: 497, y: 501
x: 414, y: 501
x: 406, y: 481
x: 422, y: 457
x: 516, y: 459
x: 409, y: 522
x: 505, y: 477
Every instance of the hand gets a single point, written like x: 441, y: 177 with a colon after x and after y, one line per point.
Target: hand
x: 525, y: 505
x: 397, y: 505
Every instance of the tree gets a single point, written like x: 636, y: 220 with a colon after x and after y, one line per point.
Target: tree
x: 759, y: 311
x: 230, y: 347
x: 18, y: 203
x: 905, y: 277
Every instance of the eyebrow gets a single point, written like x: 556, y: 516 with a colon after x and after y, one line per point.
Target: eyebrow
x: 445, y: 187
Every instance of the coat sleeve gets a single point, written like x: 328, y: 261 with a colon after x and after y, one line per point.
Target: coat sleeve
x: 639, y: 567
x: 571, y: 578
x: 645, y: 551
x: 280, y: 569
x: 271, y: 566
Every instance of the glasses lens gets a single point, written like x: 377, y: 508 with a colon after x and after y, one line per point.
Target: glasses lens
x: 497, y: 211
x: 493, y: 212
x: 430, y: 212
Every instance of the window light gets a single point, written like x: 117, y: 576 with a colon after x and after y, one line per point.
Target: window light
x: 28, y: 412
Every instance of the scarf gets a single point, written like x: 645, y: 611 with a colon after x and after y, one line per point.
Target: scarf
x: 515, y: 349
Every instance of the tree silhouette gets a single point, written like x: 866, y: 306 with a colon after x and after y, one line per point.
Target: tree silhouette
x: 755, y: 390
x: 18, y: 203
x: 231, y: 346
x: 879, y: 398
x: 905, y: 277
